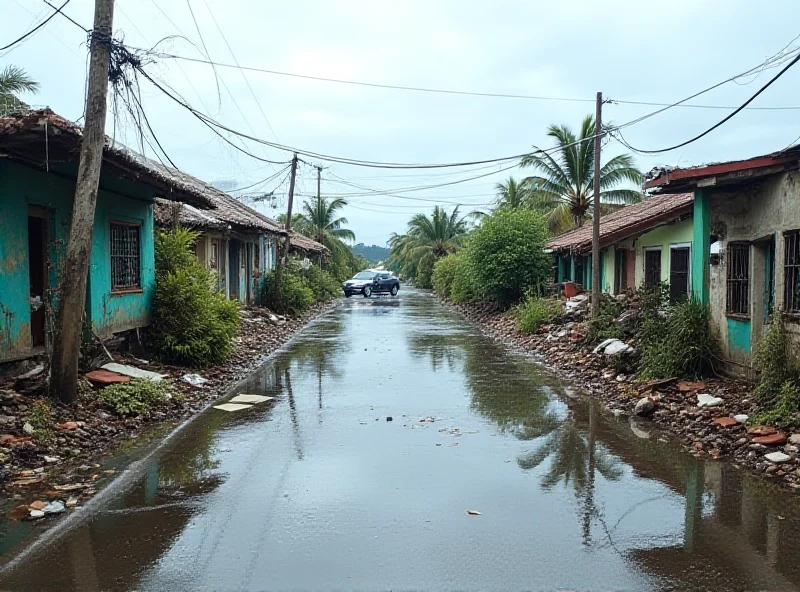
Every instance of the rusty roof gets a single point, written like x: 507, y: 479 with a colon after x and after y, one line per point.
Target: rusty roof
x: 625, y: 222
x: 680, y: 180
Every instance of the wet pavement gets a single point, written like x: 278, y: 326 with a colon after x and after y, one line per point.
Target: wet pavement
x: 317, y: 490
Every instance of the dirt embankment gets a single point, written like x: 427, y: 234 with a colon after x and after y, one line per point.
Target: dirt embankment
x: 717, y: 431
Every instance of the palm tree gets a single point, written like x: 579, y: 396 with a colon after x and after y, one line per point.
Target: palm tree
x: 426, y: 240
x: 13, y: 81
x: 511, y: 194
x: 565, y: 188
x: 320, y: 221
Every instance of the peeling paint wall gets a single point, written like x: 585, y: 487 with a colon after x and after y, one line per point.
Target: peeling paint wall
x: 757, y: 214
x: 22, y: 187
x: 664, y: 237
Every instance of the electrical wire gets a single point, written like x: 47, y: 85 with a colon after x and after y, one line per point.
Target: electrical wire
x: 205, y: 49
x: 262, y: 181
x: 618, y: 134
x: 66, y: 16
x: 36, y: 28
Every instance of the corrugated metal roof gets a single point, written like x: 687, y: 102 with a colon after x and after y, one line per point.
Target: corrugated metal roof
x: 628, y: 221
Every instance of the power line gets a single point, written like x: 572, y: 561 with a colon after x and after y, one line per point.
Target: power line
x: 208, y: 55
x: 719, y: 123
x: 36, y: 28
x: 66, y: 16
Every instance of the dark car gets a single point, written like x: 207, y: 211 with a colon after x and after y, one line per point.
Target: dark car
x: 372, y: 281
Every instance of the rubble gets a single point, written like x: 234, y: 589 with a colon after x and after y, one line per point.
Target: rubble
x: 679, y: 407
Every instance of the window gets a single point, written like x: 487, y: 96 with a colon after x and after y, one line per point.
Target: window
x: 620, y: 271
x: 212, y: 259
x: 791, y: 271
x: 125, y: 257
x: 652, y: 268
x: 679, y: 272
x: 738, y: 282
x: 579, y: 271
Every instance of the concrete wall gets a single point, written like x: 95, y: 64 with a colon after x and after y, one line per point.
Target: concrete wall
x: 663, y: 237
x: 759, y: 214
x: 22, y: 188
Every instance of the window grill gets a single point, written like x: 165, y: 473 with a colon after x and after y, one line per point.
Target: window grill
x: 125, y: 257
x: 738, y: 282
x: 652, y: 268
x: 792, y: 271
x: 678, y: 273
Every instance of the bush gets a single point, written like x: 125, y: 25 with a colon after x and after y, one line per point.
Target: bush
x: 677, y: 341
x: 136, y: 397
x: 193, y: 324
x: 322, y: 283
x: 604, y: 326
x: 535, y: 312
x: 778, y: 389
x: 444, y: 273
x: 506, y: 255
x: 40, y: 416
x: 293, y: 296
x: 463, y: 287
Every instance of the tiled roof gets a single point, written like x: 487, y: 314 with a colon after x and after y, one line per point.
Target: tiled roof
x: 304, y: 243
x: 628, y: 221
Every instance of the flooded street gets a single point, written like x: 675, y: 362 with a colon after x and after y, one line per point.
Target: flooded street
x: 320, y: 490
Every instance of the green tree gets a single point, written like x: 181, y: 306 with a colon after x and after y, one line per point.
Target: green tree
x: 320, y: 220
x: 564, y: 187
x: 512, y: 194
x: 427, y: 239
x: 14, y: 81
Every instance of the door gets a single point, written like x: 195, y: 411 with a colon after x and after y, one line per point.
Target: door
x: 37, y: 261
x: 679, y: 257
x: 652, y: 268
x: 233, y: 268
x: 620, y: 270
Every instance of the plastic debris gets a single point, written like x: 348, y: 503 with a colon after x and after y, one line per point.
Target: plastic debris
x: 28, y: 428
x: 613, y: 347
x: 31, y: 373
x: 133, y: 372
x: 250, y: 399
x: 473, y: 513
x: 706, y: 400
x: 72, y: 502
x: 777, y: 457
x: 54, y: 508
x: 36, y: 514
x: 194, y: 379
x: 232, y: 407
x: 741, y: 418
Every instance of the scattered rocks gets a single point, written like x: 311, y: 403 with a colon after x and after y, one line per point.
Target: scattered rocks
x: 645, y: 407
x: 741, y: 418
x: 725, y: 422
x: 794, y: 439
x: 706, y: 400
x: 776, y: 439
x: 777, y: 457
x: 762, y: 430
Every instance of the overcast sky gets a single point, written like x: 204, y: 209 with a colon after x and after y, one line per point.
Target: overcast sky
x: 629, y: 50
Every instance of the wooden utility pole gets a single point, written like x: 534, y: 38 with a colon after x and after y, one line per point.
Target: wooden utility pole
x: 596, y: 287
x: 284, y: 256
x: 320, y: 231
x: 72, y: 287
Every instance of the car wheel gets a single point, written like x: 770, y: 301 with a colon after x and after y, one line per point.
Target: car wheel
x: 367, y: 291
x: 395, y: 290
x: 347, y: 294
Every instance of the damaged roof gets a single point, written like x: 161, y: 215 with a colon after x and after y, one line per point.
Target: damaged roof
x: 303, y: 243
x: 679, y: 180
x: 635, y: 219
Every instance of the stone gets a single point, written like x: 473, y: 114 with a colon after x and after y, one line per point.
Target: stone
x: 762, y: 430
x: 686, y: 386
x: 28, y: 428
x: 776, y: 439
x: 777, y: 457
x: 36, y: 514
x: 106, y: 377
x: 794, y: 439
x: 644, y: 407
x: 37, y: 505
x: 706, y: 400
x: 67, y: 425
x: 741, y: 418
x: 790, y: 448
x: 72, y: 502
x: 725, y: 422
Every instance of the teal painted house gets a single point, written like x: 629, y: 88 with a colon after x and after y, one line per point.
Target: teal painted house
x: 746, y: 260
x: 640, y: 244
x: 38, y: 166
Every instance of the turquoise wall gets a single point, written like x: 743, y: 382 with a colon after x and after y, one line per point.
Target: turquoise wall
x: 21, y: 187
x: 738, y: 336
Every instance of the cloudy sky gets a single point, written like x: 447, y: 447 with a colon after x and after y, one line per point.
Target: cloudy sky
x: 656, y: 51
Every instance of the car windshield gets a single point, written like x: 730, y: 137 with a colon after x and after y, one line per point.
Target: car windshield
x: 364, y: 275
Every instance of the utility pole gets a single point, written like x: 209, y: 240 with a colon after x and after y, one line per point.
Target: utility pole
x: 596, y: 288
x: 284, y: 256
x: 319, y: 209
x: 72, y: 288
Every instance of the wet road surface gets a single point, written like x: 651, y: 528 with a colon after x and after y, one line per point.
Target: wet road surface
x: 318, y: 491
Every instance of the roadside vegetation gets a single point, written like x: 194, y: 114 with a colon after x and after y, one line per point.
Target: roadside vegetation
x: 137, y: 397
x: 778, y: 388
x: 534, y: 312
x: 193, y: 323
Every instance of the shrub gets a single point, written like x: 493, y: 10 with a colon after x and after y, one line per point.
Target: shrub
x: 424, y: 276
x: 136, y: 397
x: 776, y: 361
x: 535, y: 312
x: 322, y: 283
x: 40, y: 416
x: 604, y: 326
x: 193, y: 324
x: 506, y: 255
x: 444, y: 273
x: 463, y: 287
x: 293, y: 295
x: 677, y: 341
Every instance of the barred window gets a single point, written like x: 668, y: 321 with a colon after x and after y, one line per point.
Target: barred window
x: 652, y: 268
x: 738, y: 282
x: 679, y: 273
x: 125, y: 257
x: 791, y: 271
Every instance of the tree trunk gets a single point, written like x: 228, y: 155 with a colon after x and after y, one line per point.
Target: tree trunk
x: 72, y: 288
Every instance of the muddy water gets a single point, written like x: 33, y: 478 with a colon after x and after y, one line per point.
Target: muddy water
x: 318, y: 491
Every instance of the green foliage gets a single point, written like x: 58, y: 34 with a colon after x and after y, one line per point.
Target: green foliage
x: 293, y: 295
x: 40, y: 416
x: 604, y: 325
x: 193, y: 324
x: 778, y: 389
x: 371, y: 253
x: 534, y: 312
x: 463, y: 287
x: 137, y: 397
x: 324, y: 286
x: 506, y: 255
x: 444, y: 273
x: 677, y: 341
